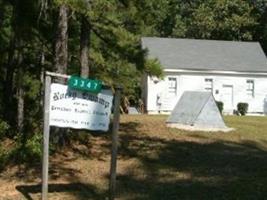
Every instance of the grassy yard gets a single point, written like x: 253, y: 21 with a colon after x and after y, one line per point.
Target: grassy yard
x: 155, y: 162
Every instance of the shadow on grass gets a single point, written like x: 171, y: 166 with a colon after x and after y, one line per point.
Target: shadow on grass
x: 99, y: 144
x: 174, y: 169
x: 79, y: 190
x: 130, y: 127
x: 170, y: 169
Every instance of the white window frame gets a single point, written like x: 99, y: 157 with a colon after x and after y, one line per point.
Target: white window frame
x: 250, y: 88
x: 209, y: 84
x: 172, y: 86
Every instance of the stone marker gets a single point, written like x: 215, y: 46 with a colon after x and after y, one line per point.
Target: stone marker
x: 197, y: 111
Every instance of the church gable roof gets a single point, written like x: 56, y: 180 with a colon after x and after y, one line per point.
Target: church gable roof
x: 206, y: 55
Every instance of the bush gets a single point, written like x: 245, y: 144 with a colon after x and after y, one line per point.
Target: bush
x: 22, y: 153
x: 3, y: 159
x: 219, y: 105
x: 3, y: 128
x: 30, y: 151
x: 242, y: 108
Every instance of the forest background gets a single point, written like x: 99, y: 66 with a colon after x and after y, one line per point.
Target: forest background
x: 99, y: 39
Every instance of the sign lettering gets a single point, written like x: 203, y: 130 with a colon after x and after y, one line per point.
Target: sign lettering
x: 81, y: 110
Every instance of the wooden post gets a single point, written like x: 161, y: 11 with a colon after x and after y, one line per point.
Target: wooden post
x: 46, y: 130
x: 114, y: 148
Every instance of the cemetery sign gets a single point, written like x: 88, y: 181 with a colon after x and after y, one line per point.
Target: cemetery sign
x: 83, y: 104
x: 78, y: 109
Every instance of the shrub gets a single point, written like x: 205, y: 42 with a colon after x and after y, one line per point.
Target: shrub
x: 242, y: 108
x: 219, y: 105
x: 3, y: 128
x: 28, y: 152
x: 3, y: 159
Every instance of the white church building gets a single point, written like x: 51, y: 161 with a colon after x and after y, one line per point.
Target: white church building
x: 233, y: 71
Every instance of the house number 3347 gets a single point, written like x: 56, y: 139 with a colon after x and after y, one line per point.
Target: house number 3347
x: 84, y: 84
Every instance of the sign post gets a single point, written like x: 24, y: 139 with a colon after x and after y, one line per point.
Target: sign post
x: 83, y: 104
x: 46, y: 130
x: 114, y: 148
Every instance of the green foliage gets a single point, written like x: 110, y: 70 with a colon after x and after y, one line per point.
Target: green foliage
x: 31, y: 85
x: 28, y: 151
x: 3, y: 128
x: 3, y: 158
x: 242, y: 108
x: 153, y: 67
x: 33, y: 148
x: 220, y: 105
x: 223, y: 19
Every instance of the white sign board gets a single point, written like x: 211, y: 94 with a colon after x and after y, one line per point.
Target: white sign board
x: 81, y: 110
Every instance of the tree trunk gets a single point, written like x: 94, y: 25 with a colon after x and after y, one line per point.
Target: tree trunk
x: 20, y: 102
x: 8, y: 95
x: 61, y: 44
x: 42, y: 75
x: 61, y: 59
x: 12, y: 63
x: 8, y: 83
x: 2, y: 14
x: 84, y: 47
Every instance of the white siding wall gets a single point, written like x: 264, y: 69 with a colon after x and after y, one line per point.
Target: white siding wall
x: 191, y: 82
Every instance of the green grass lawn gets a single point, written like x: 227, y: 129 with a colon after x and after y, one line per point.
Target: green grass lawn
x: 156, y: 162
